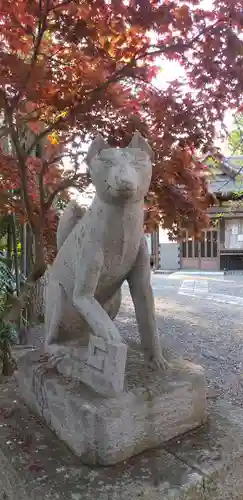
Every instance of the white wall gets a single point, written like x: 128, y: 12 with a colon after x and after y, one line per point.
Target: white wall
x: 148, y: 238
x: 169, y: 256
x: 168, y: 251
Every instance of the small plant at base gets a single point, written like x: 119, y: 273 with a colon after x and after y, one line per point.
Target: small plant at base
x: 8, y: 336
x: 8, y: 331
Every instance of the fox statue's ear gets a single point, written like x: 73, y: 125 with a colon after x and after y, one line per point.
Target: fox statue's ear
x: 95, y: 147
x: 138, y: 142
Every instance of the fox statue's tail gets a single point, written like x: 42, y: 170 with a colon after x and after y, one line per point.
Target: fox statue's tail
x: 70, y: 217
x: 68, y: 220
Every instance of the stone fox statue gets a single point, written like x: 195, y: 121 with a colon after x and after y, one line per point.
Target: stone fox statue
x: 100, y: 248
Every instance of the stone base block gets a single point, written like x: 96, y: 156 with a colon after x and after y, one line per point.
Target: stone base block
x: 151, y: 410
x: 205, y: 464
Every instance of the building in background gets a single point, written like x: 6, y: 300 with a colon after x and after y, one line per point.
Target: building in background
x: 221, y: 246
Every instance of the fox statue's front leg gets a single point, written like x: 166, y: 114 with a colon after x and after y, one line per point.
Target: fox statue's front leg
x: 142, y: 296
x: 86, y: 281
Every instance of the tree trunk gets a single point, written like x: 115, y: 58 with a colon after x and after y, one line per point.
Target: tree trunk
x: 15, y: 255
x: 9, y: 246
x: 23, y: 241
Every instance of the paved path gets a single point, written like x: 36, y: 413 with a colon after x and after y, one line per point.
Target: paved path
x: 205, y: 288
x: 201, y: 318
x: 213, y: 287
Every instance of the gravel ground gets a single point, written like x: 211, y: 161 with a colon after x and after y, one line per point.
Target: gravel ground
x: 203, y: 332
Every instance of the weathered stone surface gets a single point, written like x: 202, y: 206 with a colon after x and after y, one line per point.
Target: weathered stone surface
x: 100, y: 364
x: 151, y: 410
x: 204, y: 465
x: 99, y: 249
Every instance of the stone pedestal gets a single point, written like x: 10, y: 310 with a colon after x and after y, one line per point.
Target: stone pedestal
x: 151, y: 410
x: 202, y: 465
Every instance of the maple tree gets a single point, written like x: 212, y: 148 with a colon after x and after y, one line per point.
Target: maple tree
x: 72, y: 68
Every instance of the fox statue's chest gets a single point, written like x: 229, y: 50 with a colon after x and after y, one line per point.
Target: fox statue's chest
x: 120, y: 246
x: 118, y: 262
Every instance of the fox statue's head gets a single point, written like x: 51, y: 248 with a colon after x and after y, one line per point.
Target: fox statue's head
x: 120, y: 175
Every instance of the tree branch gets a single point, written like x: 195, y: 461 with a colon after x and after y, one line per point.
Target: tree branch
x: 178, y: 47
x: 21, y: 161
x: 63, y: 186
x: 45, y: 166
x: 41, y: 30
x: 67, y: 183
x: 61, y: 5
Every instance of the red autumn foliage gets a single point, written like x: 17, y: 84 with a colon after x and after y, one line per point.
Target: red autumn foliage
x: 70, y: 69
